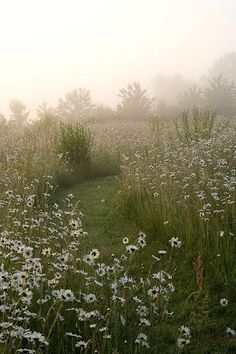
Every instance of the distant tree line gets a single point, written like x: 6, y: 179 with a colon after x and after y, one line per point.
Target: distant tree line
x: 217, y: 91
x: 220, y: 95
x: 78, y: 106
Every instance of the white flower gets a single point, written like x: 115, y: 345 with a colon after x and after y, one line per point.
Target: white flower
x: 93, y: 325
x: 75, y: 223
x: 63, y: 295
x: 102, y: 329
x: 142, y: 310
x: 37, y: 337
x: 231, y: 331
x: 68, y: 295
x: 181, y: 342
x: 145, y: 322
x: 27, y: 252
x: 123, y: 320
x: 26, y: 295
x: 175, y: 242
x: 142, y: 339
x: 185, y: 331
x: 88, y: 259
x: 162, y: 252
x: 94, y: 254
x: 224, y: 302
x: 142, y: 234
x: 70, y: 334
x: 154, y: 292
x: 169, y: 314
x: 162, y: 276
x: 82, y: 344
x: 156, y: 258
x: 131, y: 248
x: 141, y: 241
x: 46, y: 251
x: 125, y: 240
x: 118, y: 299
x: 90, y: 298
x: 6, y: 325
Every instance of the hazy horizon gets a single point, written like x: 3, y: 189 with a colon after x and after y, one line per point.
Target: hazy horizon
x: 50, y: 48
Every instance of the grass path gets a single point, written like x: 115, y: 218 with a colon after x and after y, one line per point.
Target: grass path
x: 103, y: 219
x: 106, y: 226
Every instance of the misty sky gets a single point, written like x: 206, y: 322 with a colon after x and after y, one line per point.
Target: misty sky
x: 49, y: 47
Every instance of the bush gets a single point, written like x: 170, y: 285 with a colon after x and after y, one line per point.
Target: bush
x: 74, y: 146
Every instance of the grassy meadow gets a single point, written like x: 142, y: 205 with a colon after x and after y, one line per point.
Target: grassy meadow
x: 118, y: 237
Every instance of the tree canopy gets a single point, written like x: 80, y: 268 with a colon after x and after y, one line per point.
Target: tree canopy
x: 135, y: 104
x: 77, y: 105
x: 18, y: 113
x: 193, y: 97
x: 221, y: 96
x: 224, y: 66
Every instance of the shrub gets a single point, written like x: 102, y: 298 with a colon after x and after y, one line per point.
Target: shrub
x: 74, y: 146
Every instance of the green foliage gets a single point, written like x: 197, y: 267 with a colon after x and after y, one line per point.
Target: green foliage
x: 74, y: 145
x: 18, y: 113
x: 44, y: 111
x: 179, y: 189
x: 225, y: 66
x: 76, y: 106
x: 104, y: 163
x: 135, y: 105
x: 102, y: 114
x: 221, y: 96
x: 195, y: 125
x: 182, y: 189
x: 65, y: 178
x: 167, y: 88
x: 193, y: 97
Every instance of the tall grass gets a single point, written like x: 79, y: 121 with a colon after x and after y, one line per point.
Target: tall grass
x: 169, y: 291
x: 187, y: 190
x: 58, y: 296
x: 199, y: 123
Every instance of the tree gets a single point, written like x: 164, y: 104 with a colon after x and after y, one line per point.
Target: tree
x: 225, y: 66
x: 103, y: 113
x: 168, y: 88
x: 221, y: 96
x: 76, y: 106
x: 18, y: 113
x: 44, y: 111
x: 193, y: 97
x: 165, y: 110
x: 135, y: 105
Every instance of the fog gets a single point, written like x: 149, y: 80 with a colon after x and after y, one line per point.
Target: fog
x: 51, y: 47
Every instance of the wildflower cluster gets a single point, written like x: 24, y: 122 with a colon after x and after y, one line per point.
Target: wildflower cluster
x: 188, y: 190
x: 185, y: 337
x: 47, y: 281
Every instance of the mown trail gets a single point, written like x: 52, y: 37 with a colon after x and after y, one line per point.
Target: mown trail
x: 99, y: 201
x: 103, y: 219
